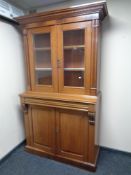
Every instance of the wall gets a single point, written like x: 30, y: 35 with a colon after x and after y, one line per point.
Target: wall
x: 116, y: 77
x: 12, y: 83
x: 115, y: 73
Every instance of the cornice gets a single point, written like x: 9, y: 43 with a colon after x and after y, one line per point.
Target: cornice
x: 96, y: 8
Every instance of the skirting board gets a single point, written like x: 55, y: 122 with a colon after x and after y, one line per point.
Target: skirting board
x: 115, y: 150
x: 8, y: 154
x: 101, y: 148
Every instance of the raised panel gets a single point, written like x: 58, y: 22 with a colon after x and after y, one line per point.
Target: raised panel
x: 43, y: 127
x: 72, y: 137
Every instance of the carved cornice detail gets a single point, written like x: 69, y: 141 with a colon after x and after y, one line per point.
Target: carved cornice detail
x: 99, y: 8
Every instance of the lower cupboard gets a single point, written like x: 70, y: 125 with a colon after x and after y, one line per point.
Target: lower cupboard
x: 62, y: 134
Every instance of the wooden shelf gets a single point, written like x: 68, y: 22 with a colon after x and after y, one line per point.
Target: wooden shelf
x: 43, y: 49
x: 74, y: 47
x: 74, y: 69
x: 43, y: 69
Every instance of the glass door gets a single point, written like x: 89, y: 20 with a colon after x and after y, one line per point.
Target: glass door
x: 74, y: 55
x: 42, y: 52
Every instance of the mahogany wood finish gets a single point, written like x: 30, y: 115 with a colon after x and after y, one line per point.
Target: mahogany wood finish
x: 72, y: 138
x: 61, y: 104
x: 61, y: 14
x: 43, y: 127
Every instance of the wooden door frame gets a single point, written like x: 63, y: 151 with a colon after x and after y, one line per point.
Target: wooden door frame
x: 59, y: 154
x: 53, y: 39
x: 32, y: 143
x: 87, y: 57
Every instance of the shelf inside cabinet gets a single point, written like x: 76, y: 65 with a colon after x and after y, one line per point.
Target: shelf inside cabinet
x: 74, y: 47
x: 42, y: 49
x: 44, y: 76
x: 74, y: 69
x: 43, y: 69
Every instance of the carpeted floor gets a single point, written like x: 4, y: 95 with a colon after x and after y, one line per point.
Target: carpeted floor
x: 23, y: 163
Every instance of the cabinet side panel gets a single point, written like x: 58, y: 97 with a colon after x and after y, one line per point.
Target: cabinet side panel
x: 98, y: 56
x: 26, y: 49
x: 95, y: 59
x: 97, y: 121
x: 91, y: 145
x: 27, y: 125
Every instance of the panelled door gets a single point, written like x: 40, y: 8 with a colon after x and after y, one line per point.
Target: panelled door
x: 72, y: 134
x: 59, y: 131
x: 42, y: 58
x: 74, y: 53
x: 42, y: 124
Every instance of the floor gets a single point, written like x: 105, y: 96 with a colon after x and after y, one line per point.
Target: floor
x: 23, y: 163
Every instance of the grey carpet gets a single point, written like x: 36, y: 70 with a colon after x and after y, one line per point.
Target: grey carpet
x: 23, y: 163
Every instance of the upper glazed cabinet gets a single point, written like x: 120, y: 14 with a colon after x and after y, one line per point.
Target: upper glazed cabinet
x: 62, y: 58
x: 59, y: 58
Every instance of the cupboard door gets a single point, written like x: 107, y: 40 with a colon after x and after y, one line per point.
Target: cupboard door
x: 42, y: 55
x: 72, y: 134
x: 43, y: 128
x: 74, y: 53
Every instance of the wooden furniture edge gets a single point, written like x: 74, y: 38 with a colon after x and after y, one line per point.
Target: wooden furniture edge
x: 81, y: 164
x: 61, y: 97
x: 92, y: 8
x: 55, y: 102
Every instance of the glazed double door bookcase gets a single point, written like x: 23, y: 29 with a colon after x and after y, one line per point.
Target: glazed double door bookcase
x: 61, y: 104
x: 60, y: 58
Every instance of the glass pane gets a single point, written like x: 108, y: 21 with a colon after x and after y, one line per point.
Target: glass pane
x: 43, y: 59
x: 74, y: 50
x: 74, y: 58
x: 74, y: 78
x: 42, y: 52
x: 74, y: 37
x: 44, y: 77
x: 42, y: 40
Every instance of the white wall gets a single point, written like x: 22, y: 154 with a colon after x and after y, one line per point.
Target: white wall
x: 12, y: 83
x: 115, y: 73
x: 116, y: 76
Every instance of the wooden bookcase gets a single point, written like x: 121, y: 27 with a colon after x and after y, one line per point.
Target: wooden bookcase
x: 61, y: 104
